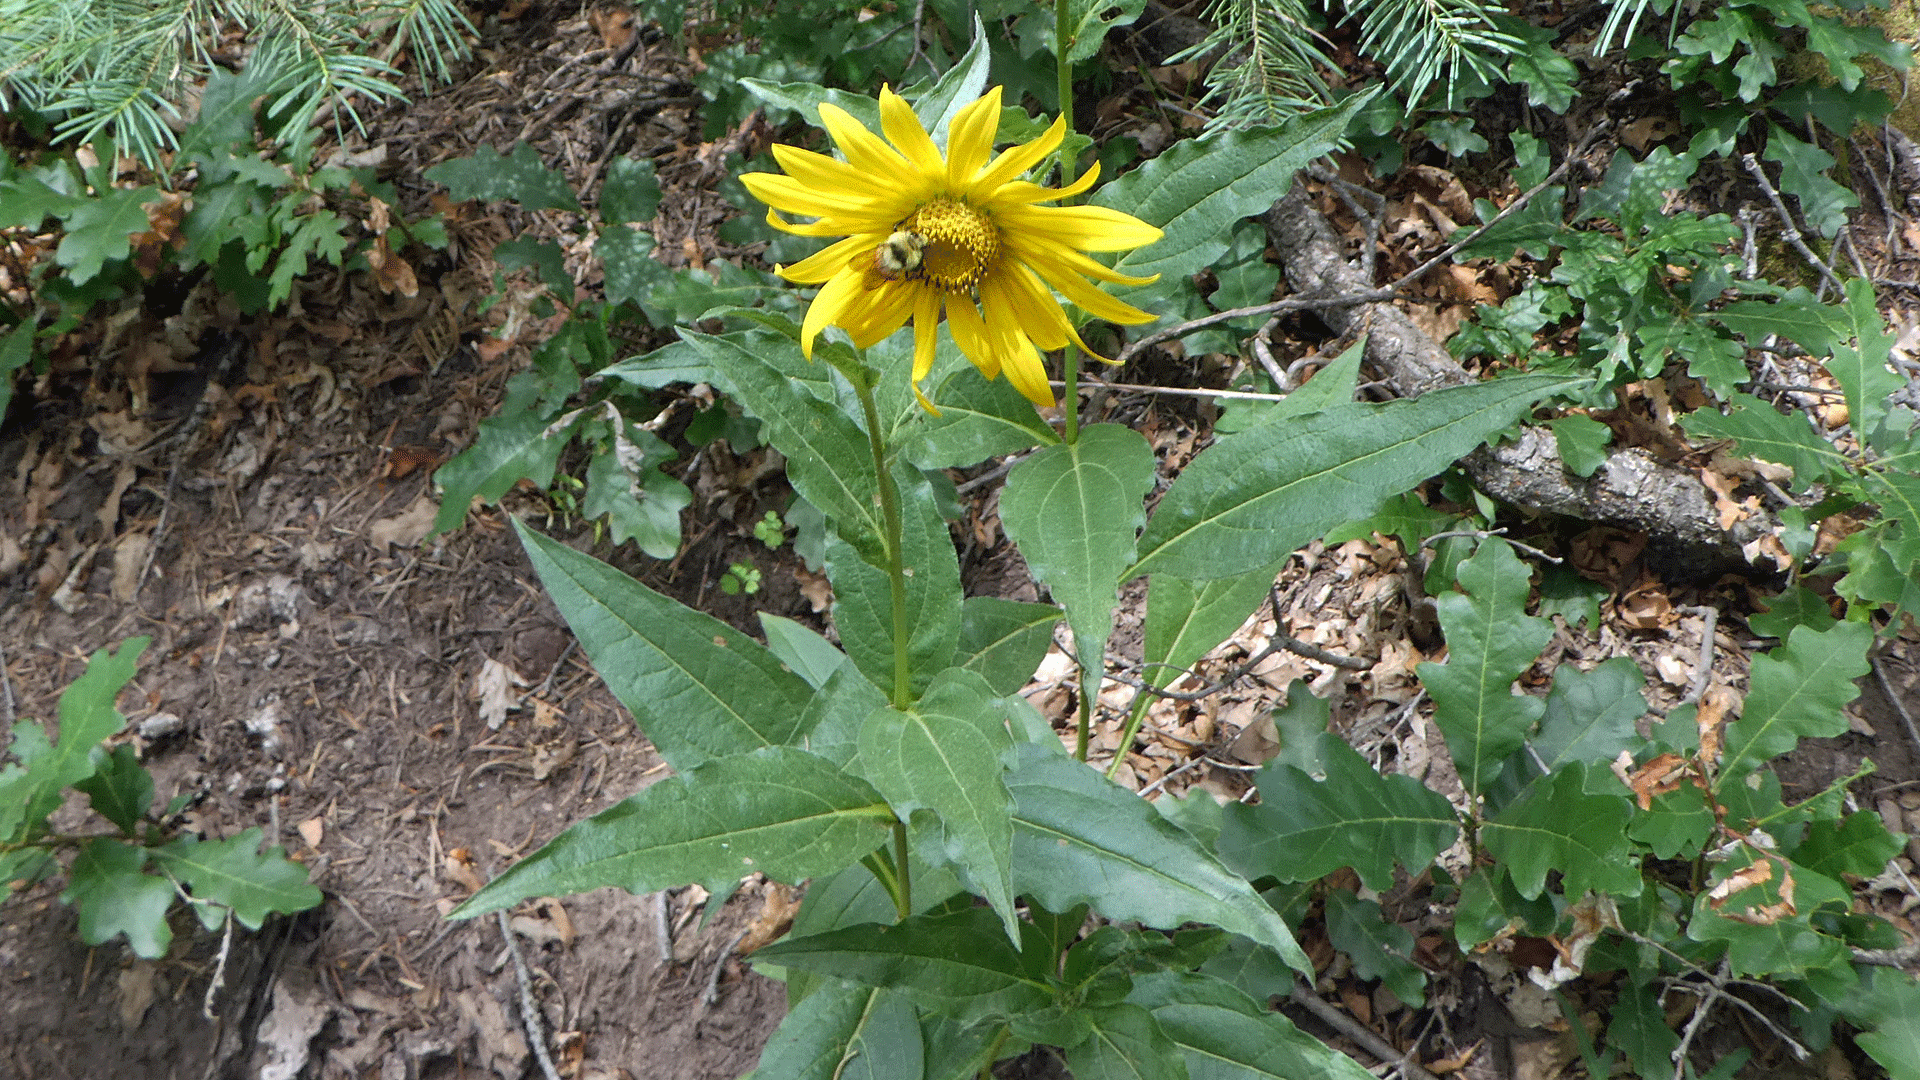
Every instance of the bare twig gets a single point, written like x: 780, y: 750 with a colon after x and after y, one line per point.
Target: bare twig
x: 6, y: 691
x: 1789, y: 231
x: 528, y: 1016
x: 662, y: 932
x: 1177, y: 391
x: 1502, y: 533
x: 1359, y: 1033
x: 219, y: 980
x: 1703, y: 668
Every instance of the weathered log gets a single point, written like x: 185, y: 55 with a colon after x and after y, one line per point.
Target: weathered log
x: 1633, y: 490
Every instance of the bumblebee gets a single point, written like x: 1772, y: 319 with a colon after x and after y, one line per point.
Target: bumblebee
x: 897, y: 256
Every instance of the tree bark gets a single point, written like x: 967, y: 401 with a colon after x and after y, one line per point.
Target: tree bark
x: 1633, y: 490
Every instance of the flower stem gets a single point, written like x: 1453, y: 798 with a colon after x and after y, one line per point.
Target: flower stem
x: 993, y: 1052
x: 896, y: 560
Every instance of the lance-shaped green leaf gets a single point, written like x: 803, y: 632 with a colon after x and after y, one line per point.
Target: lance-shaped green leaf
x: 781, y: 812
x: 1074, y: 511
x: 1004, y: 640
x: 33, y: 789
x: 115, y: 897
x: 1762, y: 432
x: 863, y: 596
x: 843, y: 1031
x: 1491, y: 641
x: 1556, y: 825
x: 804, y: 652
x: 1080, y: 839
x: 1198, y: 190
x: 1226, y: 1035
x: 833, y: 719
x: 957, y: 88
x: 943, y: 755
x: 698, y: 687
x: 1186, y: 619
x: 235, y: 873
x: 828, y: 460
x: 958, y: 964
x: 1125, y: 1043
x: 1794, y: 691
x: 1254, y: 497
x: 1304, y: 829
x: 978, y: 419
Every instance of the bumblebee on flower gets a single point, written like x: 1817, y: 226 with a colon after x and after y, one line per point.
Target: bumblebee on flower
x: 923, y: 236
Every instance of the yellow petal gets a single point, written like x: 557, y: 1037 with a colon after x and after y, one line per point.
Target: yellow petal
x: 926, y: 326
x: 865, y: 150
x: 1016, y: 160
x: 827, y: 174
x: 791, y: 196
x: 873, y: 316
x: 970, y: 333
x: 830, y: 260
x: 825, y: 310
x: 970, y: 139
x: 1020, y: 191
x: 1035, y: 310
x: 1086, y: 228
x: 1057, y: 260
x: 905, y: 133
x: 1018, y: 359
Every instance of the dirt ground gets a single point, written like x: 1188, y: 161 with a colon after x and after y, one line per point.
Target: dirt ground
x: 329, y: 676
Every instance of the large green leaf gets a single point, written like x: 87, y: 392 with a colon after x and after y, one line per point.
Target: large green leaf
x: 1556, y: 825
x: 1889, y: 1004
x: 1125, y: 1043
x: 863, y: 596
x: 804, y: 652
x: 115, y: 897
x: 1254, y: 497
x: 1226, y: 1035
x: 238, y: 875
x: 1200, y: 188
x: 1304, y: 829
x: 1760, y: 939
x: 958, y: 964
x: 1491, y: 641
x: 843, y: 1031
x: 32, y: 790
x: 942, y: 755
x: 978, y: 419
x: 1186, y: 619
x: 782, y: 812
x: 1004, y: 640
x: 1795, y: 690
x: 828, y: 460
x: 698, y: 687
x: 1858, y: 844
x: 1080, y: 839
x: 1764, y: 433
x: 1590, y: 715
x: 1074, y: 510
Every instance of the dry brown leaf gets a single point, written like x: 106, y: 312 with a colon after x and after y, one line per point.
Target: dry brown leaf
x: 406, y: 528
x: 1755, y: 873
x: 129, y: 559
x: 615, y: 26
x: 1657, y: 777
x: 463, y: 871
x: 777, y: 910
x: 493, y: 688
x: 312, y: 830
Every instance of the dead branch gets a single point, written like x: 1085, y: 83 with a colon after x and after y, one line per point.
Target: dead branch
x: 1633, y: 490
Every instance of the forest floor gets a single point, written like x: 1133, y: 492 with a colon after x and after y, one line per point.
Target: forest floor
x: 408, y: 717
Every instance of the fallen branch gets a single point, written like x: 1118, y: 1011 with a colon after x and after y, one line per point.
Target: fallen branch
x: 1632, y: 490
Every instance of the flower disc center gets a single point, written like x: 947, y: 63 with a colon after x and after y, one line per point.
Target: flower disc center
x: 961, y: 243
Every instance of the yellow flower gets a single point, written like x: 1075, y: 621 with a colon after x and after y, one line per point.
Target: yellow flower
x: 923, y: 234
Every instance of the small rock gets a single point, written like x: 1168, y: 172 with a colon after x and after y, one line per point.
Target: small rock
x: 160, y: 725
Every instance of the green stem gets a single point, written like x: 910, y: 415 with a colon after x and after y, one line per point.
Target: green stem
x: 1141, y: 703
x: 903, y: 900
x: 896, y: 563
x: 993, y: 1052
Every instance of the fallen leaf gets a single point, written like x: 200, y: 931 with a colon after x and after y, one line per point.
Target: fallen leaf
x: 311, y: 830
x: 463, y: 871
x: 494, y: 688
x: 406, y: 528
